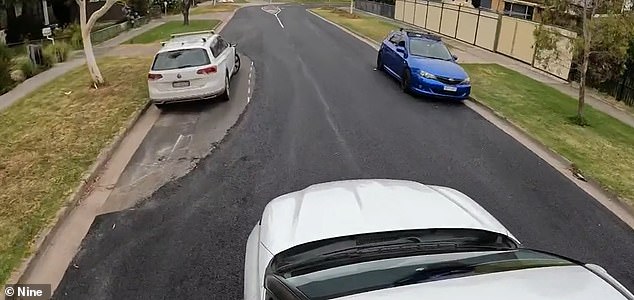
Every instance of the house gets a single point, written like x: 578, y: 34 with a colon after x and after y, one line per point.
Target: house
x: 24, y: 20
x: 526, y: 10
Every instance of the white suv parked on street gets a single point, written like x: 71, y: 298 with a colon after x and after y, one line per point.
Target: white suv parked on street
x: 192, y: 66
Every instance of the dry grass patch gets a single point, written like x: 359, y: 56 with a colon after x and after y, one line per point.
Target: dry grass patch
x: 50, y: 139
x: 368, y: 26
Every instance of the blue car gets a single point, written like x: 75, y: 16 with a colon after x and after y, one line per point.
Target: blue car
x: 423, y: 65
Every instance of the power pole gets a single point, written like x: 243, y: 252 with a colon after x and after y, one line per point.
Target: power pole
x: 351, y: 6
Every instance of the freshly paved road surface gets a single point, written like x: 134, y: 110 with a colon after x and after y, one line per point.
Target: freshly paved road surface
x: 319, y: 113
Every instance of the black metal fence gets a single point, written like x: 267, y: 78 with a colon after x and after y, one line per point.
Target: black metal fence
x: 377, y: 8
x: 623, y: 90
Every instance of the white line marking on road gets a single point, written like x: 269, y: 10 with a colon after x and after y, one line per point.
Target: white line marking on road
x: 248, y: 99
x: 178, y: 140
x: 278, y: 19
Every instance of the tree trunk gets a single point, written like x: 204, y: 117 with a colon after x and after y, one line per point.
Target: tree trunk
x: 186, y: 6
x: 91, y: 62
x: 582, y: 83
x: 585, y: 59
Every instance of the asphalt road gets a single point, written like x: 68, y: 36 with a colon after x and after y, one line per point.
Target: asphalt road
x: 183, y: 134
x: 320, y: 113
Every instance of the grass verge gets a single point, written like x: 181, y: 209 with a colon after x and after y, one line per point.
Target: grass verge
x: 163, y: 32
x: 207, y: 9
x: 604, y: 150
x: 373, y: 28
x: 50, y: 138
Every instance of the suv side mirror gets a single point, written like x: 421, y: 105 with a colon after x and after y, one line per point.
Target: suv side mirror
x: 454, y: 57
x: 402, y: 51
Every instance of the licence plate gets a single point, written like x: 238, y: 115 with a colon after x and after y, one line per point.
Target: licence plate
x: 450, y: 88
x: 180, y: 84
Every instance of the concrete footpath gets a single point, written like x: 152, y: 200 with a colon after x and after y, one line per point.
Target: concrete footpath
x: 468, y: 53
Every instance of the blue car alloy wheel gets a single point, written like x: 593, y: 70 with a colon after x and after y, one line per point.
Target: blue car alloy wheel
x: 406, y: 81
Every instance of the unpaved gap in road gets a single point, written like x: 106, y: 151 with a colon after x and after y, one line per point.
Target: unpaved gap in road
x: 187, y: 240
x: 182, y: 135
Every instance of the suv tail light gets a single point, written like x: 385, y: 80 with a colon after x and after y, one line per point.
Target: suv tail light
x: 207, y: 70
x: 154, y: 76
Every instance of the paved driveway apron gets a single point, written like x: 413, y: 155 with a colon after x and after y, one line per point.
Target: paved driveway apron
x: 320, y: 113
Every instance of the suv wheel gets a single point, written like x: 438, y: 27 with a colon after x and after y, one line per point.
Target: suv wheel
x: 236, y: 66
x: 379, y: 62
x: 226, y: 94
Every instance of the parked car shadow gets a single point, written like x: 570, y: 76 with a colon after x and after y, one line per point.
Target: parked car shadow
x: 194, y: 106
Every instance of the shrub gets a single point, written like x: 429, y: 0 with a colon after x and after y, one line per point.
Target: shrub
x: 58, y: 51
x: 48, y: 57
x: 18, y: 76
x: 73, y: 32
x: 173, y: 6
x: 24, y: 64
x: 5, y: 66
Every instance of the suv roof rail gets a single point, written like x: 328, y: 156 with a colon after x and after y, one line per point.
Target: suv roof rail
x: 192, y: 33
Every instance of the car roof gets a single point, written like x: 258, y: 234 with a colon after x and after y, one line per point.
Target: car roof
x: 189, y: 40
x: 546, y: 283
x: 423, y: 35
x: 418, y: 34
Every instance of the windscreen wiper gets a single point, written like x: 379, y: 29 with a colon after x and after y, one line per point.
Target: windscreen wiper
x: 394, y: 247
x: 434, y: 57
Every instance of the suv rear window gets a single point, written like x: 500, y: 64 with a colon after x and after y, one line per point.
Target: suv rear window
x: 179, y: 59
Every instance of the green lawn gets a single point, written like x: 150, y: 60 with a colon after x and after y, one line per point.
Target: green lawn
x: 163, y: 32
x: 374, y: 28
x: 50, y: 138
x: 604, y: 150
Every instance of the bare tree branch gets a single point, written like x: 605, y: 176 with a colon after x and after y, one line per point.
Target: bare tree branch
x: 99, y: 13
